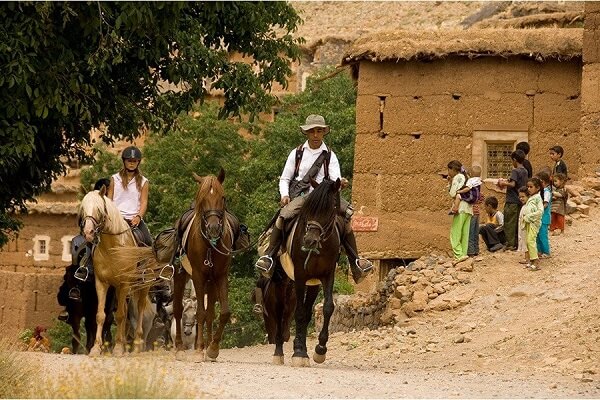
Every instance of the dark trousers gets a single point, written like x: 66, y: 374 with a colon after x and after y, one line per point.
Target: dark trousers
x: 141, y: 233
x: 490, y: 236
x: 511, y: 223
x: 473, y: 248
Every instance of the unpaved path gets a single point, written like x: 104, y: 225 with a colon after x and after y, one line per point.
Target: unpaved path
x: 524, y: 334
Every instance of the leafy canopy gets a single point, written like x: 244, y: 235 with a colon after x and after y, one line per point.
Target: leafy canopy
x: 70, y: 66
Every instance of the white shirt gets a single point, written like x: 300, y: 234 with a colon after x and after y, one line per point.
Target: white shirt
x: 308, y: 159
x: 127, y: 201
x: 473, y: 182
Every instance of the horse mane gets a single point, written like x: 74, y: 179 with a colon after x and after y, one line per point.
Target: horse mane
x: 209, y: 185
x: 318, y: 202
x: 92, y: 204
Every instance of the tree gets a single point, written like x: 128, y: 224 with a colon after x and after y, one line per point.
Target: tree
x: 70, y: 66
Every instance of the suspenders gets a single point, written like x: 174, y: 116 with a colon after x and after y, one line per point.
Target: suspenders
x: 300, y: 152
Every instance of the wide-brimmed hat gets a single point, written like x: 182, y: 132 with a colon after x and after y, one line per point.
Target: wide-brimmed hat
x: 314, y: 121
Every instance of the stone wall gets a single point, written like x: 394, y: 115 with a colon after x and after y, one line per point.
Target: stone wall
x: 414, y: 117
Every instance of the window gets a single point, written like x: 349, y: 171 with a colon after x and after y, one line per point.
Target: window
x: 66, y: 248
x: 491, y: 150
x: 41, y: 247
x: 498, y: 162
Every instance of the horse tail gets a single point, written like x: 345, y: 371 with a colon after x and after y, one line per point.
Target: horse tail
x: 144, y: 258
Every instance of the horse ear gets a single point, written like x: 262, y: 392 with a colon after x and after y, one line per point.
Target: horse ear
x: 337, y: 184
x: 103, y: 190
x: 313, y: 183
x: 221, y: 176
x: 197, y: 178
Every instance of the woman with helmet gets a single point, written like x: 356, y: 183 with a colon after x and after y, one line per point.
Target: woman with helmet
x: 129, y: 190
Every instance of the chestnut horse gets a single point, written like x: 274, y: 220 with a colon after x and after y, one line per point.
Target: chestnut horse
x: 208, y: 248
x: 103, y: 224
x: 315, y: 251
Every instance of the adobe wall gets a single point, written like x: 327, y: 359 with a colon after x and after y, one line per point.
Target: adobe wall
x: 28, y: 287
x: 430, y: 113
x: 590, y: 91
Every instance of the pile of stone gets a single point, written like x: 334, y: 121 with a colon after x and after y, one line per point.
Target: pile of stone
x: 582, y: 195
x: 425, y: 284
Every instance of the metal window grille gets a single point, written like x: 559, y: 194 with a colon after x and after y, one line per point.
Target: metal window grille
x: 499, y: 164
x: 42, y: 247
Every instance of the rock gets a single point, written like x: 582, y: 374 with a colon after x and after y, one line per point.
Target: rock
x: 420, y: 300
x: 467, y: 338
x: 395, y: 303
x: 463, y: 277
x: 575, y: 200
x: 466, y: 265
x: 402, y: 292
x: 571, y: 207
x: 459, y: 339
x: 582, y: 208
x: 439, y: 289
x: 433, y: 296
x: 591, y: 183
x: 409, y: 309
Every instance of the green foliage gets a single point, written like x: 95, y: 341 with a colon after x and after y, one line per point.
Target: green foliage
x: 26, y: 335
x: 60, y: 335
x: 105, y: 164
x: 245, y: 327
x: 70, y: 66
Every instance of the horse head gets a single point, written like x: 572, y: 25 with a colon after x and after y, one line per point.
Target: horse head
x: 319, y: 212
x: 92, y: 214
x: 210, y: 204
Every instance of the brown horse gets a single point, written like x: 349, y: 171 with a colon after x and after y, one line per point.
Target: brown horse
x: 279, y: 299
x: 315, y: 251
x: 208, y: 248
x: 103, y: 224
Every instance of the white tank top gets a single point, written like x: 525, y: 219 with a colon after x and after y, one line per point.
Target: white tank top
x: 129, y: 200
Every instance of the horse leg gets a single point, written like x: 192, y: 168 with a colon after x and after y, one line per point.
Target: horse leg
x: 211, y: 300
x: 328, y: 307
x: 300, y: 353
x: 200, y: 288
x: 179, y: 281
x: 139, y: 341
x: 110, y: 317
x: 101, y: 290
x: 120, y: 316
x: 75, y: 324
x: 90, y: 328
x: 224, y: 315
x: 279, y: 291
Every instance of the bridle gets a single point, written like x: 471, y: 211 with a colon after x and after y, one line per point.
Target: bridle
x: 205, y: 216
x: 99, y: 225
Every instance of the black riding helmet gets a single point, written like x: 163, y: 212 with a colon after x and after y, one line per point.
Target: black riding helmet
x: 131, y: 152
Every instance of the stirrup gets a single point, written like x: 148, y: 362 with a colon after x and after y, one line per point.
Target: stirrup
x: 366, y: 269
x: 258, y: 309
x: 82, y: 271
x: 149, y: 272
x: 75, y: 294
x: 163, y: 275
x: 262, y: 268
x: 63, y: 316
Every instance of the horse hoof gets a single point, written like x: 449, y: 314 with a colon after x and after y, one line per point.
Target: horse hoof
x: 278, y: 360
x: 319, y: 358
x: 118, y: 351
x: 212, y: 352
x: 198, y: 357
x: 95, y: 351
x: 300, y: 362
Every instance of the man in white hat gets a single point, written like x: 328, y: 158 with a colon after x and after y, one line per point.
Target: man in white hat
x: 315, y: 160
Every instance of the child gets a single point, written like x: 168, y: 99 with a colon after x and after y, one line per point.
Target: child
x: 465, y: 192
x: 521, y: 234
x: 531, y: 218
x: 512, y: 205
x: 524, y: 147
x: 475, y: 182
x: 556, y: 155
x: 459, y: 232
x: 543, y: 242
x: 492, y: 230
x: 559, y: 204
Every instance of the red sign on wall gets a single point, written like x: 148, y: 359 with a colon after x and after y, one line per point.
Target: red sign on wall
x: 364, y: 224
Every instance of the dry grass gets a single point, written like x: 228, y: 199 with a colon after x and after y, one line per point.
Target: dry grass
x: 122, y: 379
x: 14, y: 372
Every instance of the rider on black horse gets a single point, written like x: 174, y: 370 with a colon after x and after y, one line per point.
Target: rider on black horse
x: 311, y: 160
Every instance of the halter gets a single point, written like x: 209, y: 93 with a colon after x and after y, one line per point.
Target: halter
x: 99, y: 225
x: 324, y: 232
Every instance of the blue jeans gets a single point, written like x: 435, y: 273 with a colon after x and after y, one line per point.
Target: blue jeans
x: 473, y: 249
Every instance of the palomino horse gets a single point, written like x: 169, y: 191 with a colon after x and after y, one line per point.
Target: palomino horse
x: 102, y: 223
x: 208, y: 248
x: 314, y: 252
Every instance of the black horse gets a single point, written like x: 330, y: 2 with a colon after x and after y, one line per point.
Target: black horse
x: 85, y: 309
x: 315, y: 251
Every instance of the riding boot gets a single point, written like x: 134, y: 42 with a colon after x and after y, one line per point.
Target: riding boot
x: 360, y: 267
x: 63, y: 316
x: 258, y: 306
x: 265, y: 263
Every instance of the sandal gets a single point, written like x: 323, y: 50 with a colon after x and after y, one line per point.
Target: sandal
x: 526, y: 262
x: 533, y: 267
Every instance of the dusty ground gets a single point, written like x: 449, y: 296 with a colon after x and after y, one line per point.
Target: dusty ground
x: 524, y: 334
